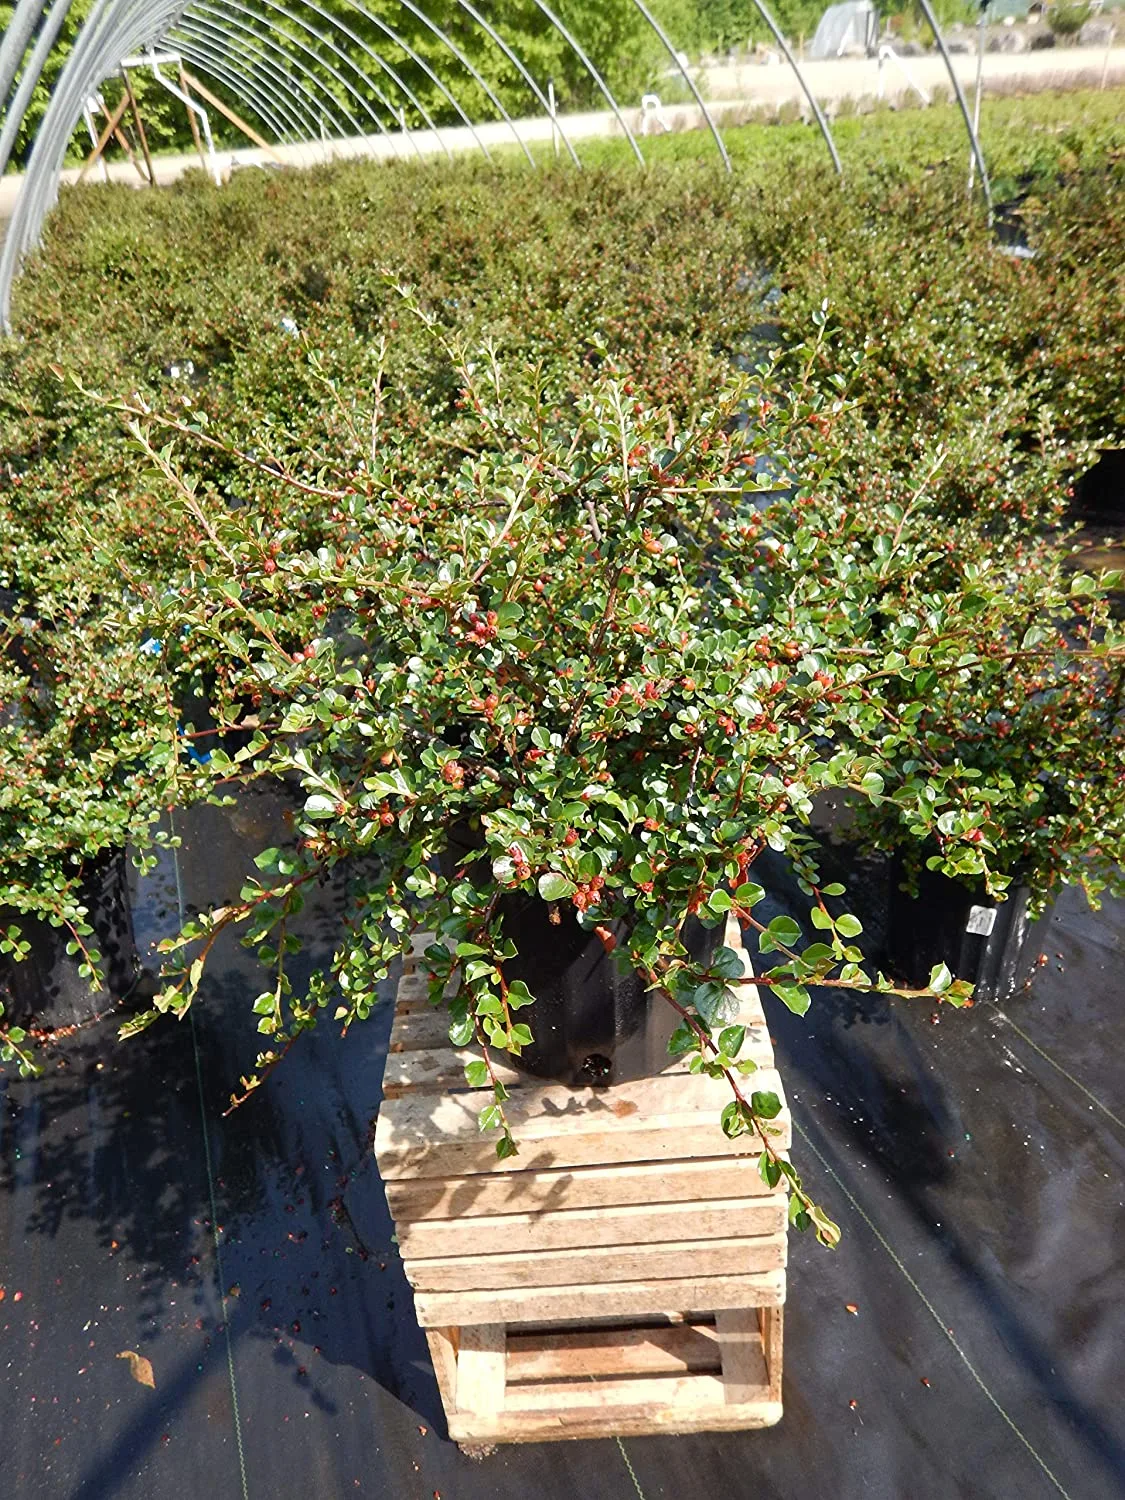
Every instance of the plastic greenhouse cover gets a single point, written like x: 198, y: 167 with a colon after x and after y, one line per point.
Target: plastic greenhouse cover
x: 967, y: 1339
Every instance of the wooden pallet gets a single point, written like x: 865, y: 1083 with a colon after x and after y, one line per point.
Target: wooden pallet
x: 624, y: 1274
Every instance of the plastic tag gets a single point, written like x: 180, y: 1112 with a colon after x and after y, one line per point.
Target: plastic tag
x: 982, y: 919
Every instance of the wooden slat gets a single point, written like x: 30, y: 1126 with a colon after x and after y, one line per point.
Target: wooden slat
x: 535, y: 1304
x: 635, y: 1224
x: 418, y: 1024
x: 661, y: 1391
x: 443, y: 1067
x: 684, y: 1349
x: 745, y: 1377
x: 771, y: 1321
x: 719, y: 1257
x: 649, y: 1183
x: 443, y: 1353
x: 650, y: 1119
x: 481, y: 1368
x: 674, y: 1410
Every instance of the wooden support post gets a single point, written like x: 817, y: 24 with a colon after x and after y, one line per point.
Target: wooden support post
x: 123, y: 141
x: 192, y: 121
x: 103, y: 139
x: 740, y: 1346
x: 443, y: 1352
x: 139, y: 126
x: 772, y: 1323
x: 236, y: 120
x: 482, y: 1368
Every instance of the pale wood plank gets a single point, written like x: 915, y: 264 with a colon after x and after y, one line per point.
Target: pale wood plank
x: 674, y: 1410
x: 545, y: 1304
x: 443, y: 1066
x: 647, y: 1183
x: 634, y: 1224
x: 650, y: 1119
x: 481, y: 1368
x: 443, y: 1353
x: 687, y: 1348
x: 719, y: 1257
x: 745, y: 1377
x: 655, y: 1391
x: 771, y: 1321
x: 615, y: 1421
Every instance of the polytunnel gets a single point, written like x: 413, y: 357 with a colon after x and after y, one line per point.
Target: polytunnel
x: 329, y: 73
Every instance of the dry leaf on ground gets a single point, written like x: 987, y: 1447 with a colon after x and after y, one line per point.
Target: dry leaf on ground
x: 139, y: 1368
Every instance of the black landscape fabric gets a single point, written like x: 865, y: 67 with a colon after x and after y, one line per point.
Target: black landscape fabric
x: 967, y: 1339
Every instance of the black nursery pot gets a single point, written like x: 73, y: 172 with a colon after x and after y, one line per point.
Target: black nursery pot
x: 593, y: 1020
x: 988, y: 943
x: 46, y: 987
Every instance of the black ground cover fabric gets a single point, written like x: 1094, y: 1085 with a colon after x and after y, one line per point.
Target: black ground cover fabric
x: 975, y: 1162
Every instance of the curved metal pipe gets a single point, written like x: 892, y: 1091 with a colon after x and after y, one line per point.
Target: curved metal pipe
x: 974, y: 139
x: 467, y: 64
x: 686, y: 76
x: 111, y: 32
x: 416, y: 57
x: 32, y: 71
x: 275, y: 5
x: 268, y: 43
x: 370, y: 82
x: 15, y: 42
x: 593, y: 72
x: 268, y: 98
x: 238, y: 74
x: 295, y: 41
x: 803, y: 81
x: 275, y: 89
x: 471, y: 9
x: 398, y: 80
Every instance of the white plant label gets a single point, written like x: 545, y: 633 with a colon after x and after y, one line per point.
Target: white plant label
x: 982, y: 919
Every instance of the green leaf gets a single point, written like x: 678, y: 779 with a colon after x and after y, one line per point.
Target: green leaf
x: 733, y: 1120
x: 940, y: 978
x: 795, y: 996
x: 519, y: 995
x: 727, y: 963
x: 682, y: 1040
x: 748, y: 895
x: 849, y: 926
x: 719, y: 901
x: 785, y: 931
x: 827, y: 1232
x: 461, y: 1032
x: 476, y: 1074
x: 490, y: 1117
x: 506, y: 1147
x: 320, y: 806
x: 767, y: 1106
x: 731, y: 1039
x: 768, y: 1170
x: 553, y: 886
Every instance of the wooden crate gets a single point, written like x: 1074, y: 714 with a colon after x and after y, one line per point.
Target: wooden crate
x: 624, y: 1274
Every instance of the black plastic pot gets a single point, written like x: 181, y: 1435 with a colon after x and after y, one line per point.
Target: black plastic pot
x: 991, y: 944
x: 593, y: 1021
x: 46, y: 987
